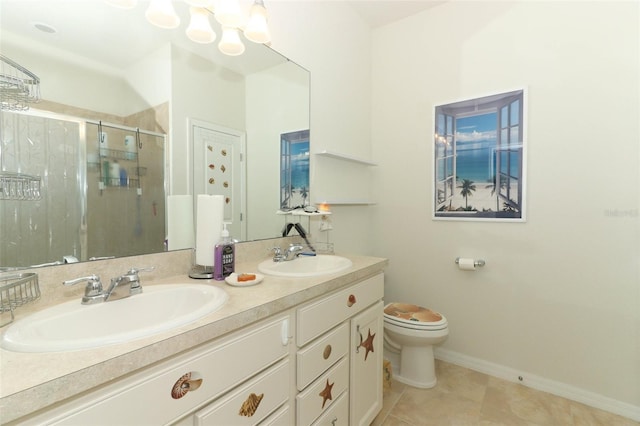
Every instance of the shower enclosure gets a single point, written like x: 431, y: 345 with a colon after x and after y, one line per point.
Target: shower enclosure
x: 77, y: 189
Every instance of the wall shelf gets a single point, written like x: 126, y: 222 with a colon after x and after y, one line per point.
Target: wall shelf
x: 347, y: 202
x: 345, y: 157
x: 300, y: 212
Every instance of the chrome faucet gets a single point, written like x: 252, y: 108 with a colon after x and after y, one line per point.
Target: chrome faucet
x: 130, y: 279
x: 292, y: 252
x: 94, y: 292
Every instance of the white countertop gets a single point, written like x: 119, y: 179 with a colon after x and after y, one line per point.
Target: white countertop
x: 32, y: 381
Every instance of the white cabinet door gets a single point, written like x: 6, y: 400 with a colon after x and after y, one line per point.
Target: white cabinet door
x: 366, y: 365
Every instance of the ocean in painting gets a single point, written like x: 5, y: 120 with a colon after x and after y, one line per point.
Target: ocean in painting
x: 300, y: 165
x: 475, y: 160
x: 300, y: 171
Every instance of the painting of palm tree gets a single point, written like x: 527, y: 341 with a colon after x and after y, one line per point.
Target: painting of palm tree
x: 294, y: 169
x: 468, y: 188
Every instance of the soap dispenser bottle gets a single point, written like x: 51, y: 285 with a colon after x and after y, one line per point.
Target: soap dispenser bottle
x: 224, y: 255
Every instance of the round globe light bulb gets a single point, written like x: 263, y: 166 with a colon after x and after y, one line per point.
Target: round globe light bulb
x: 199, y: 29
x: 229, y: 14
x: 230, y: 43
x: 161, y: 14
x: 257, y: 30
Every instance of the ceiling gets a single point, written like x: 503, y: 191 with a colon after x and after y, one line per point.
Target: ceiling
x: 93, y: 34
x: 94, y: 31
x: 381, y: 12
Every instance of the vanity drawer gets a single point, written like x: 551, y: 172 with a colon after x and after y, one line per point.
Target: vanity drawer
x: 317, y: 317
x: 250, y: 403
x: 337, y: 414
x: 282, y: 417
x: 146, y: 397
x: 320, y: 396
x: 316, y: 358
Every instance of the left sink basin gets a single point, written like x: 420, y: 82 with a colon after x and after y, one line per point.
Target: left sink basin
x: 72, y: 326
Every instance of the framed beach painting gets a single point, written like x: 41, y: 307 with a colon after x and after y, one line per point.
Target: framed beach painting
x: 479, y: 158
x: 294, y: 169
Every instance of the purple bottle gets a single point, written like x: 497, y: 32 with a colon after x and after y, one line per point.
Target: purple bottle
x: 224, y: 255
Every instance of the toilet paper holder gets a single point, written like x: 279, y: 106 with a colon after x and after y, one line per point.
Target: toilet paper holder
x: 476, y: 263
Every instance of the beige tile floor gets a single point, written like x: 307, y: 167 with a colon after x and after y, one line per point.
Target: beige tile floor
x: 466, y: 397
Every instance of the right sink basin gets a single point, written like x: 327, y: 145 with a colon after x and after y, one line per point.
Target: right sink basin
x: 306, y: 266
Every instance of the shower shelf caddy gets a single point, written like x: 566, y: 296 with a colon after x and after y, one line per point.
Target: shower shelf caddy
x: 19, y: 186
x: 19, y: 87
x: 17, y: 289
x: 132, y: 181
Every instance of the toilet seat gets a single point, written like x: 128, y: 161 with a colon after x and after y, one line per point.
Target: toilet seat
x: 413, y: 317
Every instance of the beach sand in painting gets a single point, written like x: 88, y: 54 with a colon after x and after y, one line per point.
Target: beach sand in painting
x: 297, y: 199
x: 482, y: 199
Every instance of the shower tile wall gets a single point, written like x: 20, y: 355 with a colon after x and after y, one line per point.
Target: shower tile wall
x: 51, y: 148
x: 48, y: 148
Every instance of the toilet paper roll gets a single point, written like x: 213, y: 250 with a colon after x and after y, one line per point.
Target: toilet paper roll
x: 466, y: 264
x: 180, y: 231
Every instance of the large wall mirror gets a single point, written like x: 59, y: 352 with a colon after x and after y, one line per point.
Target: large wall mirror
x: 107, y: 75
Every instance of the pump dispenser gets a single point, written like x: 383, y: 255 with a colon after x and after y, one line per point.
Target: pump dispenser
x: 224, y: 255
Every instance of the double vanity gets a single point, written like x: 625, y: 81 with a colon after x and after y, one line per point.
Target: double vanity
x: 300, y: 348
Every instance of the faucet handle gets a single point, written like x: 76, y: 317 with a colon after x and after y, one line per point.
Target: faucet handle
x: 90, y: 279
x: 135, y: 271
x: 93, y: 292
x: 135, y: 287
x: 277, y: 254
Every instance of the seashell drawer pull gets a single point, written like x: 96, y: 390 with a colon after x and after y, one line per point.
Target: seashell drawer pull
x: 351, y: 300
x: 327, y: 352
x: 250, y: 406
x: 185, y: 384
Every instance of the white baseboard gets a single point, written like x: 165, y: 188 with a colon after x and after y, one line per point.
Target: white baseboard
x: 540, y: 383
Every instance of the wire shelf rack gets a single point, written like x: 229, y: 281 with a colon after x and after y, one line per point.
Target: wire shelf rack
x: 16, y: 289
x: 18, y: 86
x: 20, y: 186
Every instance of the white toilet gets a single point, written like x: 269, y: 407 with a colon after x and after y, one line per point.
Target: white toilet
x: 410, y: 331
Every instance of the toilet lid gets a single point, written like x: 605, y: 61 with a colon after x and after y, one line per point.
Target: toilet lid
x: 413, y: 316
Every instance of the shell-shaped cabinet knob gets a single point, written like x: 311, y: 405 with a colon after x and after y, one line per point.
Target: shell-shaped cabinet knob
x: 351, y: 300
x: 250, y: 406
x: 327, y: 352
x: 184, y: 385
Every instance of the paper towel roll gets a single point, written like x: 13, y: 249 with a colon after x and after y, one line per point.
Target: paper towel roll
x: 210, y: 214
x: 466, y: 264
x: 180, y: 230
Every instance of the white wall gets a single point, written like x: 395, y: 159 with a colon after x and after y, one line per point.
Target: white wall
x: 330, y: 40
x: 267, y: 118
x: 559, y: 299
x: 151, y: 78
x: 204, y: 91
x: 68, y: 79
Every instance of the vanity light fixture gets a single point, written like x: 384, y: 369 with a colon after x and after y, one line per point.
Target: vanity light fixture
x: 123, y: 4
x: 199, y: 29
x: 230, y: 43
x: 200, y: 3
x: 227, y: 12
x: 162, y: 14
x: 257, y: 30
